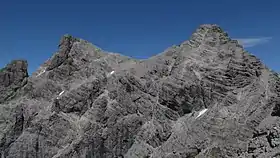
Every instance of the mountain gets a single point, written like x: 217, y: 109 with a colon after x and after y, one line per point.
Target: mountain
x: 206, y: 97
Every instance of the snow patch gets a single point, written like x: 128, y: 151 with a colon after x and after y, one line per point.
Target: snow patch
x: 201, y: 113
x: 41, y: 73
x: 61, y: 93
x: 111, y: 73
x: 197, y: 74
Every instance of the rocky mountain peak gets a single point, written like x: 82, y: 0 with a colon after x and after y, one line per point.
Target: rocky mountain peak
x: 209, y: 34
x: 12, y: 77
x: 207, y: 97
x: 17, y: 65
x: 210, y: 27
x: 65, y: 45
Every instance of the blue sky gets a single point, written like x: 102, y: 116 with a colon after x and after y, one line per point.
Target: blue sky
x: 31, y: 29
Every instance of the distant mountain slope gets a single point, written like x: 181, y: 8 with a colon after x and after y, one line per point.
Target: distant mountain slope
x: 206, y: 97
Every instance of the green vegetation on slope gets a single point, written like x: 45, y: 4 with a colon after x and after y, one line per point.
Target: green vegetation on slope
x: 2, y: 69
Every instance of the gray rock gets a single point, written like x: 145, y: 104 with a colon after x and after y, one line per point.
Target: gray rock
x: 12, y: 77
x: 206, y: 97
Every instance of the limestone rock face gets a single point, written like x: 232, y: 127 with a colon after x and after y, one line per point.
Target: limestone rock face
x: 12, y: 77
x: 206, y: 97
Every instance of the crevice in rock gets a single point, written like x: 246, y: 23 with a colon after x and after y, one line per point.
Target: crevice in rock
x: 269, y: 140
x: 251, y: 149
x: 276, y: 110
x: 37, y: 145
x: 11, y: 136
x: 273, y: 138
x: 277, y: 154
x: 257, y: 134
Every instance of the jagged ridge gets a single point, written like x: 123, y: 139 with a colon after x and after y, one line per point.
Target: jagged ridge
x: 207, y: 97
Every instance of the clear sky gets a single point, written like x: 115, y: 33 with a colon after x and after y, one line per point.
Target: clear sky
x: 31, y: 29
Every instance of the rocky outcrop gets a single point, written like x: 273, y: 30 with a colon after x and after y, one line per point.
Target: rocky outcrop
x: 206, y: 97
x: 12, y: 77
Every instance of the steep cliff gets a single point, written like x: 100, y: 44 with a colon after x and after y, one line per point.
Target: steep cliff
x: 206, y: 97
